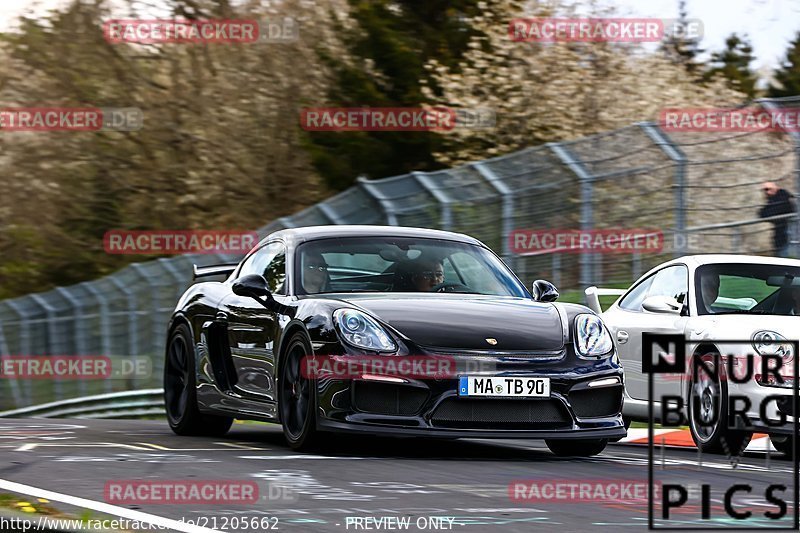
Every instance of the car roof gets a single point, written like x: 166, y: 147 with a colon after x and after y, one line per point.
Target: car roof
x: 706, y: 259
x: 295, y: 236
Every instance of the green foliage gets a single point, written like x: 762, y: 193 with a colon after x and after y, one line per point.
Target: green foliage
x: 733, y: 64
x: 682, y: 49
x: 787, y: 76
x: 390, y: 45
x: 220, y: 147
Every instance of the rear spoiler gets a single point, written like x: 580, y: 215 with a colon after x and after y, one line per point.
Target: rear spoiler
x: 593, y: 293
x: 213, y: 270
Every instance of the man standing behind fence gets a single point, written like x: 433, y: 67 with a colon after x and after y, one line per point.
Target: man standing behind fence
x: 779, y: 202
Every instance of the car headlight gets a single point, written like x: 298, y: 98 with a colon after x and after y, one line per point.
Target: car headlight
x: 767, y: 342
x: 362, y: 331
x: 591, y: 336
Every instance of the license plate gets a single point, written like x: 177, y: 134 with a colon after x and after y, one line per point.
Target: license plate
x: 504, y: 386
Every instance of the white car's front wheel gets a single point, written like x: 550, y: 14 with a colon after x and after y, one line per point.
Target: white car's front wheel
x: 708, y: 416
x: 784, y: 444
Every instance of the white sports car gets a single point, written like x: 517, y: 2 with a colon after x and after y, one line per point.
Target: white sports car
x: 707, y: 299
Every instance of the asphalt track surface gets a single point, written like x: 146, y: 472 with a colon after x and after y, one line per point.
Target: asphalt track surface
x: 437, y: 485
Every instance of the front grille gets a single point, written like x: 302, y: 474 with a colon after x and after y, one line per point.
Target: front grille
x: 501, y: 414
x: 388, y: 399
x: 592, y: 403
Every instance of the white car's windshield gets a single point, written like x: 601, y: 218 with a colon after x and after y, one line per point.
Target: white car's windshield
x: 743, y: 288
x: 375, y: 264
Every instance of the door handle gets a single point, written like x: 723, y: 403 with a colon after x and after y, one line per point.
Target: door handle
x: 622, y: 337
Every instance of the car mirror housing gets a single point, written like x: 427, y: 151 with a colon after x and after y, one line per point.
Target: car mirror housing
x: 544, y: 291
x: 251, y: 285
x: 662, y: 304
x: 255, y: 286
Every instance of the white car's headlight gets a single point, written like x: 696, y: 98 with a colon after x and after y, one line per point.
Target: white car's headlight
x: 591, y: 337
x: 767, y: 342
x: 362, y: 331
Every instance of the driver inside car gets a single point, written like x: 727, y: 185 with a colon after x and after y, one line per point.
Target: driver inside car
x: 709, y: 290
x: 429, y: 275
x: 419, y: 275
x: 315, y: 277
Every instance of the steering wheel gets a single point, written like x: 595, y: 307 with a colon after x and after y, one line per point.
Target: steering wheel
x: 450, y: 287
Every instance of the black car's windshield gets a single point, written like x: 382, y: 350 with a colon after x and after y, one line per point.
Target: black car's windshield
x: 743, y: 288
x: 395, y: 264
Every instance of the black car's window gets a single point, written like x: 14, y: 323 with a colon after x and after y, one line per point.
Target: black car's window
x: 270, y: 262
x: 672, y: 281
x: 633, y: 300
x: 373, y: 264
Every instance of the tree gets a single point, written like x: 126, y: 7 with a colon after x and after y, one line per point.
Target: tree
x: 733, y: 64
x: 544, y: 92
x: 390, y: 43
x: 680, y: 46
x: 787, y: 76
x: 220, y: 147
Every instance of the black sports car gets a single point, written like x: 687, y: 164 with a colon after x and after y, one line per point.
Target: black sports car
x: 329, y: 329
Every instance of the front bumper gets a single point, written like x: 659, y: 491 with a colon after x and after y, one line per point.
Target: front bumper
x: 772, y: 408
x: 613, y: 432
x: 432, y: 407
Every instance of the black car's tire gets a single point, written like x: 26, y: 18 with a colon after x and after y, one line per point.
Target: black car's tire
x: 713, y: 437
x: 180, y: 393
x: 576, y: 447
x: 783, y: 444
x: 297, y: 398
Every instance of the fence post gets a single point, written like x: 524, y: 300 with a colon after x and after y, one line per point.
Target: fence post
x: 391, y: 217
x: 507, y: 218
x: 133, y: 319
x: 586, y: 179
x: 80, y: 329
x: 508, y: 206
x: 330, y: 213
x: 672, y: 151
x: 24, y: 344
x: 105, y: 328
x: 446, y: 214
x: 49, y: 310
x: 12, y: 382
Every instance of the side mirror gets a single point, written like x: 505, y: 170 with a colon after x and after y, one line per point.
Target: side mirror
x: 251, y: 285
x: 662, y: 304
x: 544, y: 291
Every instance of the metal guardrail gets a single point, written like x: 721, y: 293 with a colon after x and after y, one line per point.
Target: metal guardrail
x: 124, y: 404
x: 701, y: 189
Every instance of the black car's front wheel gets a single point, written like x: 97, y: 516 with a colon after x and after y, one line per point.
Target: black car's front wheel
x: 180, y: 395
x: 576, y: 447
x: 297, y: 397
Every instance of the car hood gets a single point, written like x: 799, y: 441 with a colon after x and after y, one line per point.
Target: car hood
x: 464, y: 322
x: 741, y: 326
